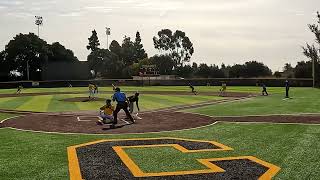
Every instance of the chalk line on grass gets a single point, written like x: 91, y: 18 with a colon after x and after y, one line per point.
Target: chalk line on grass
x: 6, y: 119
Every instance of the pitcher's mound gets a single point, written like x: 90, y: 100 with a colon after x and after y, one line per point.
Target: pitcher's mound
x: 82, y: 99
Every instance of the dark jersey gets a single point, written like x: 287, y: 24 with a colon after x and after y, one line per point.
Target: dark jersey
x: 287, y: 84
x: 133, y: 99
x: 264, y: 87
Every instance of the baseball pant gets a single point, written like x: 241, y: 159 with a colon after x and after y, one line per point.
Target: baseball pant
x: 124, y: 107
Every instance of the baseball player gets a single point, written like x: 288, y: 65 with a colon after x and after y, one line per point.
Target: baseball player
x: 20, y: 87
x: 264, y: 90
x: 287, y: 88
x: 192, y: 89
x: 131, y: 100
x: 121, y: 99
x: 106, y: 113
x: 223, y: 89
x: 91, y: 91
x: 114, y: 87
x: 96, y: 91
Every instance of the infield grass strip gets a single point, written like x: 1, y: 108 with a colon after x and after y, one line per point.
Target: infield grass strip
x: 90, y: 105
x: 150, y: 102
x: 13, y: 102
x: 57, y: 105
x: 36, y: 103
x: 190, y: 99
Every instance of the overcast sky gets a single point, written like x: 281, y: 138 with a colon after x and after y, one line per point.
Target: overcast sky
x: 222, y: 31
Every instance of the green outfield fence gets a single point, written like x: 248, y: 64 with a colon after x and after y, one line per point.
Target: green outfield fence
x: 271, y: 82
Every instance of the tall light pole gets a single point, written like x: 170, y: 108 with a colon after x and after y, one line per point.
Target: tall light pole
x: 108, y: 32
x: 39, y: 22
x: 28, y: 75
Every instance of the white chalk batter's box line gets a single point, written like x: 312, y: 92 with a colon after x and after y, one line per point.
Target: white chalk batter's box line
x: 86, y: 118
x: 98, y: 118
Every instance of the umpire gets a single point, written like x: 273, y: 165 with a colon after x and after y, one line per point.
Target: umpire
x: 121, y: 99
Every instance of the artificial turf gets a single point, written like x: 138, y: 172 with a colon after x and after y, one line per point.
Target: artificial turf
x: 294, y: 148
x: 55, y: 103
x: 108, y: 88
x: 5, y: 116
x: 303, y: 100
x: 250, y: 89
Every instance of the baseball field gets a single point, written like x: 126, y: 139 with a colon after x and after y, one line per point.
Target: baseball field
x: 52, y: 134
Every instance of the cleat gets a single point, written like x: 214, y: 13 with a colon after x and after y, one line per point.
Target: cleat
x: 99, y: 123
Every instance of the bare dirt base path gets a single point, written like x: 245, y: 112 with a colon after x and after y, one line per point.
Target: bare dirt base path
x: 150, y: 122
x: 166, y: 119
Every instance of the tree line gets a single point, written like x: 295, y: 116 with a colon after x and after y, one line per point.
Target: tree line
x: 175, y: 51
x: 29, y: 50
x: 125, y: 59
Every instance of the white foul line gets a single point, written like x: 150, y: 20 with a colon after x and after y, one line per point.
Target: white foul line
x: 262, y: 115
x: 8, y: 119
x: 276, y: 123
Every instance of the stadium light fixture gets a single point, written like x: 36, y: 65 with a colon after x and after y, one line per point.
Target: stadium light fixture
x: 39, y: 22
x: 108, y: 33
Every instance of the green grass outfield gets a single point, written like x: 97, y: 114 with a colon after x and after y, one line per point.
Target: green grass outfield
x: 54, y: 103
x: 148, y: 88
x: 303, y: 100
x: 294, y: 148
